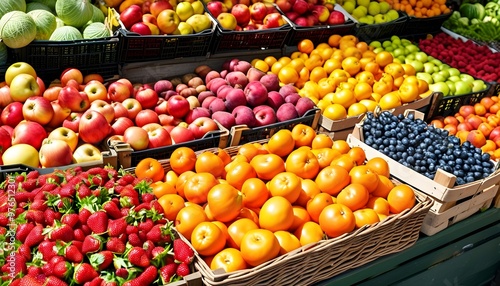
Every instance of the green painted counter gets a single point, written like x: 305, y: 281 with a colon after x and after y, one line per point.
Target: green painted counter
x: 466, y: 253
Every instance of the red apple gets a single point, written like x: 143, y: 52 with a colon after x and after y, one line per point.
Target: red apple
x: 159, y: 5
x: 131, y: 15
x: 300, y: 6
x: 466, y: 110
x: 65, y: 134
x: 60, y: 114
x: 161, y: 107
x: 196, y: 113
x: 147, y: 97
x: 146, y: 116
x: 5, y: 97
x: 242, y: 14
x: 167, y: 119
x: 201, y: 126
x: 215, y: 8
x: 87, y: 153
x: 181, y: 134
x: 273, y: 20
x: 120, y: 110
x: 54, y: 153
x: 158, y: 136
x: 141, y: 28
x: 178, y: 106
x: 29, y: 132
x: 284, y: 5
x: 121, y: 124
x: 52, y: 93
x: 118, y: 91
x: 93, y: 127
x: 71, y: 73
x: 12, y: 114
x: 258, y: 11
x: 96, y: 90
x: 255, y: 93
x: 336, y: 18
x: 73, y: 121
x: 104, y: 108
x: 93, y: 76
x: 136, y: 137
x: 38, y: 109
x: 5, y: 140
x: 70, y: 97
x: 133, y: 107
x: 264, y: 115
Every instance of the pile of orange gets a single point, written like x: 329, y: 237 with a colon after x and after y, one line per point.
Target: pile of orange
x: 270, y: 198
x: 420, y: 8
x: 345, y: 77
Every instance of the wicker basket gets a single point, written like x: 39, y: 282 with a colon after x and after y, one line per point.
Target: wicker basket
x: 327, y: 258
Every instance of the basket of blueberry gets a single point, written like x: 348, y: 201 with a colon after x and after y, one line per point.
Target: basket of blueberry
x: 425, y: 157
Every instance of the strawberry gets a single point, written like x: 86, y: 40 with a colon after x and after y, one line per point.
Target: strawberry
x: 23, y: 230
x: 146, y: 225
x: 121, y: 272
x: 47, y: 249
x: 146, y: 278
x: 70, y: 219
x: 29, y: 185
x: 19, y: 265
x: 78, y: 234
x: 147, y: 198
x: 131, y: 229
x: 30, y: 281
x: 138, y: 257
x: 66, y: 191
x: 183, y: 269
x: 72, y: 253
x: 167, y: 272
x: 34, y: 270
x: 53, y: 178
x: 35, y: 236
x: 101, y: 260
x: 59, y: 231
x: 155, y: 205
x: 115, y: 245
x: 182, y: 251
x: 92, y: 243
x: 50, y: 216
x: 63, y: 270
x: 128, y: 178
x: 35, y: 216
x: 98, y: 222
x: 98, y: 171
x: 4, y: 220
x: 84, y: 272
x: 116, y: 227
x: 38, y: 204
x: 23, y: 196
x: 148, y: 246
x: 134, y: 239
x: 86, y: 229
x: 160, y: 234
x: 84, y: 191
x: 24, y: 251
x: 54, y: 281
x: 112, y: 209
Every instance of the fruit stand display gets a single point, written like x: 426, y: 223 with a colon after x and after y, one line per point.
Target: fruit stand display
x: 239, y: 142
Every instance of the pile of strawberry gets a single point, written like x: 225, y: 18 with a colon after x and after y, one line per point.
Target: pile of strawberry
x: 96, y: 227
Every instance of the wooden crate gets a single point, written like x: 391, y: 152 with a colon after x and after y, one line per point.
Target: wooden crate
x: 451, y: 203
x: 435, y: 222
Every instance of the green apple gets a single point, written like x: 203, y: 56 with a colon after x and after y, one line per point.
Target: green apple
x: 392, y: 15
x: 454, y: 78
x: 386, y: 44
x: 364, y: 3
x: 378, y: 50
x: 436, y: 62
x: 451, y: 85
x: 444, y: 73
x: 349, y: 6
x: 184, y: 10
x: 384, y: 7
x: 359, y: 12
x: 398, y: 52
x: 441, y: 87
x: 401, y: 58
x: 379, y: 19
x: 444, y: 67
x: 410, y: 56
x: 396, y: 40
x: 373, y: 8
x: 389, y: 49
x: 453, y: 71
x: 417, y: 65
x: 375, y: 44
x: 185, y: 28
x: 425, y: 76
x: 466, y: 77
x: 436, y: 77
x: 429, y: 67
x: 463, y: 87
x: 406, y: 42
x: 199, y: 22
x: 368, y: 19
x: 412, y: 48
x: 478, y: 85
x: 421, y: 56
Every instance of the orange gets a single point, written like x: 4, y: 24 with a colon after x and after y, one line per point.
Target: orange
x: 229, y: 259
x: 379, y: 166
x: 259, y: 246
x: 384, y: 186
x: 336, y: 220
x: 354, y: 196
x: 162, y: 188
x: 341, y: 145
x: 321, y: 140
x: 325, y: 156
x: 317, y: 203
x: 400, y: 198
x: 379, y: 205
x: 281, y: 143
x: 151, y: 169
x: 225, y: 202
x: 276, y: 214
x: 286, y: 185
x: 207, y: 238
x: 303, y: 163
x: 182, y: 159
x: 287, y: 241
x: 365, y: 216
x: 351, y: 65
x: 332, y: 179
x: 188, y: 218
x: 171, y: 204
x: 197, y: 187
x: 309, y: 232
x: 237, y: 229
x: 345, y: 161
x: 383, y: 58
x: 303, y: 135
x: 255, y: 193
x: 300, y: 216
x: 267, y: 165
x: 238, y: 173
x: 365, y: 176
x: 305, y: 46
x: 248, y: 150
x: 308, y: 190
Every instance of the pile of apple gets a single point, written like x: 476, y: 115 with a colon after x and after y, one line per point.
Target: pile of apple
x: 310, y: 13
x: 245, y: 15
x: 163, y: 17
x: 440, y: 76
x: 242, y: 95
x: 478, y: 123
x: 65, y: 122
x: 370, y: 12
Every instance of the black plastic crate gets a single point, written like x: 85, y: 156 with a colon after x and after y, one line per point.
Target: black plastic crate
x: 242, y: 134
x: 449, y: 105
x: 422, y: 26
x: 138, y: 48
x: 368, y: 33
x: 50, y: 58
